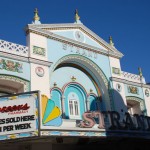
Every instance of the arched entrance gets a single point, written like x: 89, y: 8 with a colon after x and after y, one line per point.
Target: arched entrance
x: 11, y: 84
x: 95, y: 75
x: 135, y: 105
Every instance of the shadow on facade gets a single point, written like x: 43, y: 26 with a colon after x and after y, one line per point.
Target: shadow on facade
x: 122, y: 130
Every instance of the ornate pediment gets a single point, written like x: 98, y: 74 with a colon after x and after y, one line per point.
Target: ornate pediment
x: 77, y: 34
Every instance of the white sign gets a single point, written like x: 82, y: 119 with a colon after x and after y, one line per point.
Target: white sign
x: 17, y: 116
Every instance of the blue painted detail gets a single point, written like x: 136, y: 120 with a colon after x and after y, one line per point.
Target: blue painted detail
x: 3, y: 137
x: 74, y: 133
x: 55, y: 133
x: 71, y: 35
x: 96, y: 104
x: 49, y: 107
x: 56, y: 97
x: 103, y: 134
x: 3, y: 98
x: 24, y: 134
x: 81, y: 96
x: 92, y: 103
x: 90, y: 133
x: 55, y: 122
x: 56, y: 52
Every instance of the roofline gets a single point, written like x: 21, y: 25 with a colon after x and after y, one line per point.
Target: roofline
x: 38, y: 29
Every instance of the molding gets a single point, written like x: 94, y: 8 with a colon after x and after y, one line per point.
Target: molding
x: 110, y: 52
x: 74, y: 84
x: 40, y: 62
x: 146, y: 86
x: 13, y: 56
x: 125, y: 81
x: 86, y: 60
x: 129, y: 82
x: 25, y: 59
x: 77, y: 26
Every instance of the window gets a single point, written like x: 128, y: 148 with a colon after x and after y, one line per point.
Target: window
x: 74, y: 111
x: 73, y: 107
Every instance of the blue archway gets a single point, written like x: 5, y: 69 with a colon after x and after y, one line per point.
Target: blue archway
x: 74, y: 101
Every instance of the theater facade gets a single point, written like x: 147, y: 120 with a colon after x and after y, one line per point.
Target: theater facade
x: 66, y: 86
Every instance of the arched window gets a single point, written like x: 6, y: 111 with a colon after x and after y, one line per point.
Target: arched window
x: 135, y: 105
x: 74, y: 109
x: 74, y: 101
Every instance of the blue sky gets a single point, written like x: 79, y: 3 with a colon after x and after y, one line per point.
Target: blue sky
x: 127, y: 21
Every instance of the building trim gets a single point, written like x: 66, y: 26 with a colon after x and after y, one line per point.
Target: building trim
x: 77, y: 26
x: 25, y: 59
x: 40, y: 62
x: 109, y: 52
x: 129, y: 82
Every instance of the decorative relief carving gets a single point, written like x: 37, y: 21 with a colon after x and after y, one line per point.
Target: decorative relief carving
x: 39, y: 51
x: 39, y: 71
x: 118, y: 87
x: 11, y: 65
x: 147, y: 92
x: 79, y: 36
x: 133, y: 90
x: 79, y: 50
x: 116, y: 70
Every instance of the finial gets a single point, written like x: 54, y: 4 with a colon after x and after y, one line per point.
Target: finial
x: 73, y: 78
x: 77, y: 17
x: 91, y: 90
x: 55, y: 84
x: 140, y: 71
x: 111, y: 41
x: 36, y: 17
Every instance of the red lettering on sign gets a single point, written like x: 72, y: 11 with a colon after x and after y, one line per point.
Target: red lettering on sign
x: 14, y: 108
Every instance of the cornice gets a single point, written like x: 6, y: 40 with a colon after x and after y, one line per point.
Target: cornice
x: 38, y: 29
x: 146, y: 86
x: 13, y: 56
x: 129, y: 82
x: 25, y: 59
x: 40, y: 62
x: 77, y: 26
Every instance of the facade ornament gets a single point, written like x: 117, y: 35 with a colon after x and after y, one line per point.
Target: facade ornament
x: 140, y: 72
x: 77, y: 17
x: 55, y: 84
x: 36, y: 19
x: 111, y: 41
x: 73, y: 78
x: 91, y: 90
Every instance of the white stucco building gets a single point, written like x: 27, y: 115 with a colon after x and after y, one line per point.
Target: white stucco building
x: 83, y: 93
